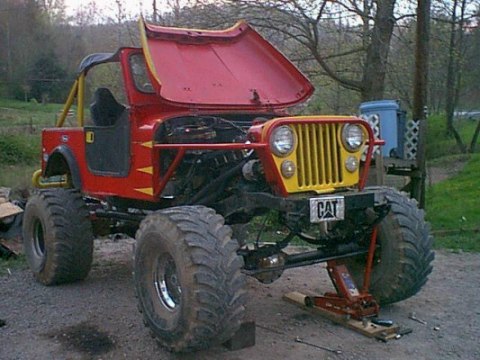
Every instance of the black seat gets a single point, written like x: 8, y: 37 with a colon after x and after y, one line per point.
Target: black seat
x: 105, y: 109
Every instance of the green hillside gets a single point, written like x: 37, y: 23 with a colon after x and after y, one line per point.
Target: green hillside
x: 453, y: 208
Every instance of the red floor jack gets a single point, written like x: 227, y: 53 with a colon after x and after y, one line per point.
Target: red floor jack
x: 349, y: 306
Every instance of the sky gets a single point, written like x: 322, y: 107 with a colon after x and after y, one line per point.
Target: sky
x: 109, y: 7
x: 132, y: 8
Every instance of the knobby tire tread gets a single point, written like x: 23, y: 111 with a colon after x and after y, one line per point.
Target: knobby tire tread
x: 71, y: 235
x: 412, y: 243
x: 220, y: 294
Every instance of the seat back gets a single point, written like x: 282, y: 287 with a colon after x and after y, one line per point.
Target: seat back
x: 105, y: 109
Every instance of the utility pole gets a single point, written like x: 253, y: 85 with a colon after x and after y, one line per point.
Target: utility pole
x: 420, y: 96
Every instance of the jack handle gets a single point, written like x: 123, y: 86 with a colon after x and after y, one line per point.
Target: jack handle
x: 368, y: 266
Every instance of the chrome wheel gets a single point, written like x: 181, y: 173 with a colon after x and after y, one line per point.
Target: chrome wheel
x: 166, y: 282
x: 38, y: 238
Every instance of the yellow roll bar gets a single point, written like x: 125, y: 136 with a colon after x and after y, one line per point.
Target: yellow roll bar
x: 68, y: 104
x: 80, y: 98
x: 78, y: 91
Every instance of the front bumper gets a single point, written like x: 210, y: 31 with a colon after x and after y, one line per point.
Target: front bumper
x: 299, y: 205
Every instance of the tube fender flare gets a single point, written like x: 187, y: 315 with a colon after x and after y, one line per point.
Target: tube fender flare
x: 62, y: 156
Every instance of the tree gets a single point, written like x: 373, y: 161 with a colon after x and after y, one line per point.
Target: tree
x: 368, y: 30
x: 399, y: 76
x: 454, y: 74
x: 26, y: 33
x: 48, y: 79
x: 472, y: 90
x: 458, y: 19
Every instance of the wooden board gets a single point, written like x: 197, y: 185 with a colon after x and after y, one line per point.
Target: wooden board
x: 366, y: 327
x: 8, y: 209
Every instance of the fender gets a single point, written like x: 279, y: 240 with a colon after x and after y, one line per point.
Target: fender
x: 62, y: 160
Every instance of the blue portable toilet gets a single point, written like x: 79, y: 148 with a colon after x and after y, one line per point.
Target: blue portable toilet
x: 391, y: 121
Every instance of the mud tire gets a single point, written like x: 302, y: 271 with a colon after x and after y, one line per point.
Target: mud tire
x: 187, y: 277
x: 403, y: 261
x: 57, y: 236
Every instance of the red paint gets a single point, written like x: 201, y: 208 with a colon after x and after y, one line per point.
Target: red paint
x: 347, y: 301
x: 223, y: 69
x: 369, y: 265
x: 236, y: 68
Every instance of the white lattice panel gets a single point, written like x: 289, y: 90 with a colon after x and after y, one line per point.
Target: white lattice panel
x: 374, y: 121
x: 410, y: 146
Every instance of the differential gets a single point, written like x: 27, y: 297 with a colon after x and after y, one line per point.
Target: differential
x: 264, y: 264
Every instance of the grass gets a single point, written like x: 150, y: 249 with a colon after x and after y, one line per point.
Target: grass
x: 17, y: 177
x: 439, y: 144
x: 32, y: 107
x: 19, y: 158
x: 7, y: 266
x: 20, y: 113
x: 448, y: 161
x: 20, y: 148
x: 461, y: 242
x: 453, y: 205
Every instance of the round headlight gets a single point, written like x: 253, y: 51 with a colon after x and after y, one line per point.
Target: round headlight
x: 351, y: 163
x: 282, y: 141
x: 352, y: 137
x: 288, y: 169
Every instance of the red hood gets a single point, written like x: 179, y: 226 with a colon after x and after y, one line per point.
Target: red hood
x: 233, y: 68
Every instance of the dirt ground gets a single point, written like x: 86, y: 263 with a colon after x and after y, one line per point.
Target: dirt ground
x: 98, y: 318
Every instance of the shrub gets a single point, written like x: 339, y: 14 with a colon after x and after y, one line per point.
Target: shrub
x: 19, y: 149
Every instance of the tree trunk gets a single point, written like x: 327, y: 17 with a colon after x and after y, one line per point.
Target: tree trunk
x: 473, y: 143
x: 458, y: 139
x: 9, y: 50
x: 422, y: 50
x: 154, y: 11
x: 377, y: 53
x: 452, y: 84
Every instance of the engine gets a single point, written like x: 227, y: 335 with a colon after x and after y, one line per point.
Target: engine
x: 201, y: 167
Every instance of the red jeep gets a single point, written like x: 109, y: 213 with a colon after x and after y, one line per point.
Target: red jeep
x: 204, y: 144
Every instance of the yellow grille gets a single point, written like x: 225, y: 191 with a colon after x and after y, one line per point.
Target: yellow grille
x: 318, y: 155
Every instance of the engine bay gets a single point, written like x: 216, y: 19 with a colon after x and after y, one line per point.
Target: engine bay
x: 207, y: 129
x: 199, y: 167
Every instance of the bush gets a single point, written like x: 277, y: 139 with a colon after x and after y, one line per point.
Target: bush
x: 19, y: 149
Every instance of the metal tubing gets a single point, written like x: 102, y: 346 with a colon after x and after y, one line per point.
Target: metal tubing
x: 118, y: 215
x: 68, y: 104
x: 37, y: 182
x: 311, y: 255
x: 80, y: 99
x: 173, y: 166
x: 217, y: 182
x: 290, y: 265
x: 297, y: 260
x: 368, y: 266
x: 221, y: 146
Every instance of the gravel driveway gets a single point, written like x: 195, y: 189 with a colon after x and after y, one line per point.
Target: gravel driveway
x: 98, y: 319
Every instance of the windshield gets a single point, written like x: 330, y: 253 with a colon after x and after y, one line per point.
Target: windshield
x: 140, y: 74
